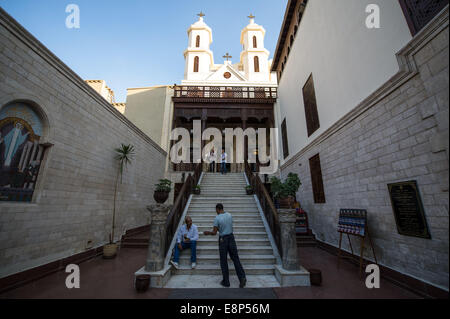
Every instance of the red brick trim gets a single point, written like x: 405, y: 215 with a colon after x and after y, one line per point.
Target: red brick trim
x: 417, y: 286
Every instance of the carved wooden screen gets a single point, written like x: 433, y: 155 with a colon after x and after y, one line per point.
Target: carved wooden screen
x: 284, y: 136
x: 419, y: 12
x: 311, y: 114
x: 316, y: 179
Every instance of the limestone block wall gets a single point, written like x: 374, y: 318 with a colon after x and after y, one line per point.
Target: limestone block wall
x: 399, y: 133
x: 73, y: 200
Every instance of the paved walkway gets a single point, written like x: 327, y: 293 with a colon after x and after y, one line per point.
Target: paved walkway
x: 114, y: 279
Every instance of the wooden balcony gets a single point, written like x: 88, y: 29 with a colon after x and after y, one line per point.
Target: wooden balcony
x: 225, y: 94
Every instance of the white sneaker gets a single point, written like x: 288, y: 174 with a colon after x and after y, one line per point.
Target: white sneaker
x: 194, y: 265
x: 174, y: 264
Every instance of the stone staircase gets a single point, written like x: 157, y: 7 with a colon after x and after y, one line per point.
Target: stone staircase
x: 255, y: 250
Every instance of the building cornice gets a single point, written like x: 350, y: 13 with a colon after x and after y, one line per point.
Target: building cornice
x: 10, y: 24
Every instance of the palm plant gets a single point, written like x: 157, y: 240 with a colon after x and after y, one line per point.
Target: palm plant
x: 124, y: 155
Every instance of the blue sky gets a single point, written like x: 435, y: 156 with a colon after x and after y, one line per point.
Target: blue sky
x: 138, y: 43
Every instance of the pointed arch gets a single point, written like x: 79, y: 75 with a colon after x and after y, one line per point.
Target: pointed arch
x: 255, y: 42
x: 256, y: 63
x: 197, y: 42
x: 196, y: 63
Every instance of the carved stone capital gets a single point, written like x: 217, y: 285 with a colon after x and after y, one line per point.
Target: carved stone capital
x: 159, y: 213
x: 287, y: 215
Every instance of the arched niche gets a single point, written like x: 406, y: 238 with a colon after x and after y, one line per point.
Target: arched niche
x: 24, y: 134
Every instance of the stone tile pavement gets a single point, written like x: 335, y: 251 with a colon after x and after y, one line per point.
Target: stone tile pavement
x: 114, y: 279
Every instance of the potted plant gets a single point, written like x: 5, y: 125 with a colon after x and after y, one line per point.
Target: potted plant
x: 197, y: 190
x: 249, y: 189
x: 162, y: 191
x: 124, y: 155
x: 285, y: 191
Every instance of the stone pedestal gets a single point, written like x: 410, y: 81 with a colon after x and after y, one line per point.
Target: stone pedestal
x: 287, y: 218
x: 290, y: 273
x: 155, y: 255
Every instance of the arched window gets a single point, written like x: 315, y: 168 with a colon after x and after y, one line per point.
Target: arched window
x: 256, y: 62
x: 21, y: 129
x: 295, y: 30
x: 196, y: 63
x: 197, y: 42
x: 292, y: 39
x: 255, y: 42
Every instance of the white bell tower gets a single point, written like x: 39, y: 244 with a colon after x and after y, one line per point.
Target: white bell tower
x: 198, y: 57
x: 254, y: 57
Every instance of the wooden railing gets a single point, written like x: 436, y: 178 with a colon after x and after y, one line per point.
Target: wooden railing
x: 267, y: 205
x: 180, y: 203
x: 225, y: 92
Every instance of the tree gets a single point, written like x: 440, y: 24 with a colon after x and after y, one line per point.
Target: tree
x: 124, y: 155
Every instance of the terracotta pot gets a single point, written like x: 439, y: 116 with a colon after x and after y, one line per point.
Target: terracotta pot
x: 160, y: 197
x: 196, y: 191
x: 249, y: 191
x: 110, y: 251
x: 287, y: 202
x: 315, y: 276
x: 142, y: 283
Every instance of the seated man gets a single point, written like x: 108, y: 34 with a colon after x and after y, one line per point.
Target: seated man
x: 187, y: 238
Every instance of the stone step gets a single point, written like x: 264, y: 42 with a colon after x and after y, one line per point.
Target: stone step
x: 241, y: 242
x: 244, y: 234
x: 234, y: 211
x: 221, y: 193
x: 209, y: 214
x: 242, y: 223
x: 214, y: 269
x: 223, y: 186
x: 243, y: 250
x: 236, y: 228
x: 246, y: 260
x: 228, y: 206
x: 245, y: 198
x: 236, y: 217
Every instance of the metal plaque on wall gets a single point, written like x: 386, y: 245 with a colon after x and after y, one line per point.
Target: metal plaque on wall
x: 408, y: 209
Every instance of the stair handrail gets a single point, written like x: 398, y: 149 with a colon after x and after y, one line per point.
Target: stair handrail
x: 267, y: 205
x: 173, y: 219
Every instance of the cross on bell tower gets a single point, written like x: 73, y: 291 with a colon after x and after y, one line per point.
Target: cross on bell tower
x: 201, y: 15
x: 227, y: 56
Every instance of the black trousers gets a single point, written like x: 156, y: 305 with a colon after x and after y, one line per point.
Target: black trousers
x: 212, y: 167
x: 227, y: 245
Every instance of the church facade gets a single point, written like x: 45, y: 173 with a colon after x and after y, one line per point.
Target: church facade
x: 219, y: 95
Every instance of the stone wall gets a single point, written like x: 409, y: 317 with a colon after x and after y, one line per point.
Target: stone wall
x: 399, y: 133
x: 73, y: 200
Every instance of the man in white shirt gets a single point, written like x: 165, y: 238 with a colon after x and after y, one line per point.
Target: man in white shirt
x: 223, y: 162
x: 212, y: 161
x: 187, y: 238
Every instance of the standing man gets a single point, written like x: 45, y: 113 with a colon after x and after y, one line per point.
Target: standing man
x: 223, y: 165
x: 187, y: 238
x: 212, y: 161
x: 224, y: 225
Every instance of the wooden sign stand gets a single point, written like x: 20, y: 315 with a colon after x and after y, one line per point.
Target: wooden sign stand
x: 363, y: 239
